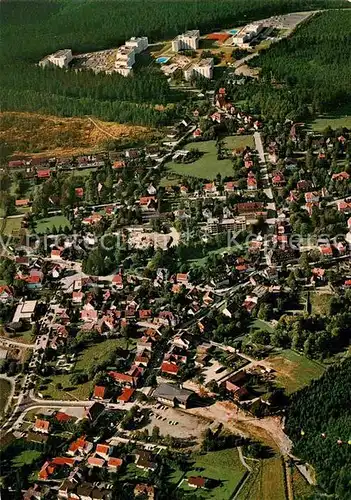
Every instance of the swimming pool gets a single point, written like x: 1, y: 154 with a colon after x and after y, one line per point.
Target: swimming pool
x: 233, y: 32
x: 162, y: 60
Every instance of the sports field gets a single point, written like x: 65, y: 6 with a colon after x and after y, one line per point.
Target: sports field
x: 46, y: 225
x: 266, y: 481
x: 208, y: 166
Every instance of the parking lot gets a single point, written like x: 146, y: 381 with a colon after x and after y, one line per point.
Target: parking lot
x: 176, y: 422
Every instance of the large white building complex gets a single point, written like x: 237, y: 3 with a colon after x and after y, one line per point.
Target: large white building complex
x: 187, y: 41
x: 125, y: 57
x: 202, y: 68
x: 61, y: 58
x: 247, y: 33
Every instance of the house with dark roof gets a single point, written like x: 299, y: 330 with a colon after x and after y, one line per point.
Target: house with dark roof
x: 172, y: 395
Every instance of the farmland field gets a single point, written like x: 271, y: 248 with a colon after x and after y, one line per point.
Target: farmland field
x: 90, y: 356
x: 5, y: 390
x: 207, y: 166
x: 267, y: 477
x: 336, y: 119
x: 224, y: 466
x: 294, y: 370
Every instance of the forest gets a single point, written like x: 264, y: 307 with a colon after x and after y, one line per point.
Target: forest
x: 307, y: 73
x: 319, y: 423
x: 31, y: 30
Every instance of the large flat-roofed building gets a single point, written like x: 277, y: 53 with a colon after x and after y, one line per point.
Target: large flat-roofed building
x: 247, y: 34
x: 187, y: 41
x: 24, y: 311
x: 203, y: 68
x: 138, y: 43
x: 172, y: 395
x: 61, y: 58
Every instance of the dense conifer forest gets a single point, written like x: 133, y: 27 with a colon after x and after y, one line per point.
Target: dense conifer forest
x: 319, y: 423
x: 30, y: 30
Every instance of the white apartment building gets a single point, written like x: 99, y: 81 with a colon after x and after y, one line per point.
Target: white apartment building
x: 125, y: 60
x: 138, y: 43
x: 61, y: 58
x: 187, y: 41
x: 202, y: 68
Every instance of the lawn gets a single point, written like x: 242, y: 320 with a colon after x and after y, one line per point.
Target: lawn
x: 46, y: 225
x: 5, y: 390
x: 87, y: 358
x: 337, y: 119
x: 12, y: 225
x: 207, y: 166
x: 265, y: 482
x: 26, y: 457
x: 294, y: 370
x: 223, y: 465
x: 259, y: 324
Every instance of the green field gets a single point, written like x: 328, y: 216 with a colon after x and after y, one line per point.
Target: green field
x: 224, y: 466
x: 294, y: 370
x: 26, y: 457
x: 320, y: 303
x: 337, y: 119
x: 301, y: 488
x: 46, y: 225
x: 266, y: 481
x: 207, y: 166
x: 259, y: 324
x: 12, y: 225
x: 93, y: 354
x: 5, y: 391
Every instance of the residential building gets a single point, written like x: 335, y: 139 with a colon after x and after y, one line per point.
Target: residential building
x: 203, y: 68
x: 139, y: 44
x: 187, y: 41
x: 172, y: 395
x: 61, y: 58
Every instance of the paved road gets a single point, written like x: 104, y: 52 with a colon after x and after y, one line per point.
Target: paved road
x: 263, y: 166
x: 12, y: 343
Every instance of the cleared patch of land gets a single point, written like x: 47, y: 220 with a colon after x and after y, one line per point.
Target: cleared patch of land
x: 223, y: 466
x: 320, y: 303
x: 56, y: 136
x: 208, y: 166
x: 92, y: 355
x: 5, y: 390
x: 294, y: 370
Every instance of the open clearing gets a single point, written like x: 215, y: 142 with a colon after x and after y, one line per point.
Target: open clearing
x: 5, y: 390
x: 224, y: 466
x: 207, y: 166
x: 265, y: 482
x: 337, y: 119
x: 56, y: 136
x: 26, y: 457
x: 301, y: 488
x: 90, y: 356
x: 11, y: 226
x: 294, y: 370
x: 46, y: 225
x: 320, y: 303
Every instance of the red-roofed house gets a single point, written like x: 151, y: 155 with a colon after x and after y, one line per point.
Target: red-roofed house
x: 96, y: 462
x: 341, y: 176
x: 63, y: 461
x: 144, y: 314
x: 117, y: 281
x: 42, y: 426
x: 169, y: 368
x: 80, y: 446
x: 124, y: 378
x: 197, y: 482
x: 43, y: 174
x: 5, y: 293
x: 62, y: 417
x: 99, y: 392
x: 251, y: 182
x: 182, y: 278
x: 126, y: 395
x: 55, y: 254
x: 88, y: 315
x: 230, y: 186
x: 46, y: 470
x: 22, y: 203
x: 278, y: 179
x: 77, y: 297
x: 326, y: 250
x: 79, y: 192
x: 344, y: 206
x: 114, y: 463
x: 103, y: 450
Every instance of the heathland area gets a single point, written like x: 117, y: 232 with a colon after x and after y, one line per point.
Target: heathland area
x: 45, y: 27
